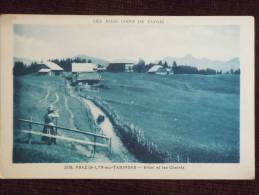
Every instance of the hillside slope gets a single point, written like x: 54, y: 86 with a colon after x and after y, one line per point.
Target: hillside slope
x: 192, y: 117
x: 32, y: 96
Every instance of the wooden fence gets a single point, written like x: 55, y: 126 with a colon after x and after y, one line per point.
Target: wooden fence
x: 30, y: 132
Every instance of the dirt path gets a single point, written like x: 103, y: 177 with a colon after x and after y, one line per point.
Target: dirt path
x: 119, y: 152
x: 118, y: 149
x: 71, y: 118
x: 46, y: 97
x: 57, y: 99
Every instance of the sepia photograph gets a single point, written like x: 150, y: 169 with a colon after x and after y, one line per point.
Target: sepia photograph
x: 127, y: 90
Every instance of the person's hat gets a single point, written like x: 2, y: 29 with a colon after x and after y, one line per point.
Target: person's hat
x: 51, y: 108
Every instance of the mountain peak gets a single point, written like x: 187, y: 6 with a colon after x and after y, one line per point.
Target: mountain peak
x: 188, y: 56
x: 202, y: 63
x: 236, y: 59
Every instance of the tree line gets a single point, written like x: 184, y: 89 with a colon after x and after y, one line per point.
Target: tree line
x: 141, y: 67
x: 180, y: 69
x: 21, y: 68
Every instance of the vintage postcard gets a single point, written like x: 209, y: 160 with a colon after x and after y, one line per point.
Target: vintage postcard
x: 127, y: 97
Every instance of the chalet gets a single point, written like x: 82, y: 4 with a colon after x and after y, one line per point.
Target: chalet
x: 44, y: 71
x: 89, y: 78
x: 120, y: 67
x: 169, y: 71
x: 154, y: 69
x: 158, y: 69
x: 129, y: 67
x: 49, y: 68
x: 54, y: 68
x: 84, y: 67
x: 116, y: 67
x: 85, y: 73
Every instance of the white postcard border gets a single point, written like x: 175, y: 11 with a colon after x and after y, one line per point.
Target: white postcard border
x: 243, y: 170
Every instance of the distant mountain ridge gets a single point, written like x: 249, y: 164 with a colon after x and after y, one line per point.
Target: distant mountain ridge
x: 93, y: 59
x: 200, y: 63
x: 124, y: 60
x: 203, y: 63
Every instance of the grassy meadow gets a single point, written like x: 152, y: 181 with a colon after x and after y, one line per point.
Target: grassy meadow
x: 32, y: 95
x: 193, y: 118
x: 169, y: 118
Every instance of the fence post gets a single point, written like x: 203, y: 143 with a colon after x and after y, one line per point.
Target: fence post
x: 30, y: 127
x: 110, y: 146
x: 107, y: 141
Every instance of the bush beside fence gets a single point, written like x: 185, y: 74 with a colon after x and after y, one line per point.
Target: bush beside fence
x: 133, y: 137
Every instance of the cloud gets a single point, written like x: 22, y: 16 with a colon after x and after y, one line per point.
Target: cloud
x: 115, y: 41
x: 31, y: 48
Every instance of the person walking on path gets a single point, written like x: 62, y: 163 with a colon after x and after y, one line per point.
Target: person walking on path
x: 49, y: 119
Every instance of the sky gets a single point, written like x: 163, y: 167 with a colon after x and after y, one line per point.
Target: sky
x: 111, y: 42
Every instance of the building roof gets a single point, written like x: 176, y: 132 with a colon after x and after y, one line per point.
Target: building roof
x: 155, y: 68
x: 52, y: 65
x: 84, y: 67
x: 44, y: 70
x: 88, y: 76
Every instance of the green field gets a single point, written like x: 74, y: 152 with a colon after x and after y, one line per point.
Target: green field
x: 32, y: 95
x: 193, y: 117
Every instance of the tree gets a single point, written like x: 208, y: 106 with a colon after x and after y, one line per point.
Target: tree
x: 89, y: 61
x: 165, y: 65
x: 237, y: 71
x: 219, y: 72
x: 160, y: 63
x: 140, y: 66
x: 184, y: 69
x: 174, y: 66
x: 19, y: 68
x: 141, y: 62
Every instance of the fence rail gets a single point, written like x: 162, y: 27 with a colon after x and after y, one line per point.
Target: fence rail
x: 94, y: 135
x: 66, y: 138
x: 65, y: 128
